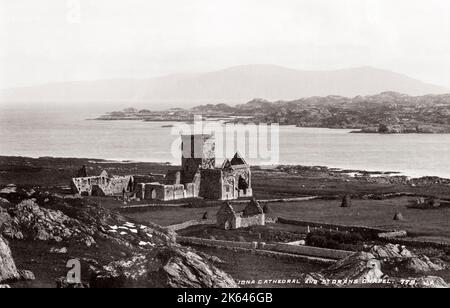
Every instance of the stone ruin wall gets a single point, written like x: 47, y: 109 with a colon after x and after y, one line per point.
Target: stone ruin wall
x: 100, y: 185
x: 256, y: 220
x: 117, y: 185
x: 211, y: 186
x: 161, y: 192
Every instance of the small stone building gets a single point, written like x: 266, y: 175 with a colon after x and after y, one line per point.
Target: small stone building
x: 229, y: 219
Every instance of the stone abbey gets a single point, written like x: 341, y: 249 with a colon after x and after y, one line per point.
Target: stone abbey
x: 198, y: 178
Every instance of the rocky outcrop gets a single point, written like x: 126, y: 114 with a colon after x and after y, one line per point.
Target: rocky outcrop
x: 172, y: 267
x: 423, y: 264
x: 368, y: 267
x: 29, y: 220
x: 9, y: 189
x: 8, y: 270
x: 63, y: 218
x: 360, y: 266
x: 403, y: 259
x: 146, y: 255
x: 390, y: 251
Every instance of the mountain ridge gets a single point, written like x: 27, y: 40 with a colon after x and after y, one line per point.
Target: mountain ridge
x: 237, y: 84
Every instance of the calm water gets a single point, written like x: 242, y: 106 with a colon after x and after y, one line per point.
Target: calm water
x: 68, y: 134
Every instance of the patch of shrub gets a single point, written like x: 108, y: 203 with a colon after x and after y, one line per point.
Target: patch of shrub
x: 335, y: 240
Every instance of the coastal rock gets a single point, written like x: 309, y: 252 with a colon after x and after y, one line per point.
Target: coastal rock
x: 4, y: 286
x: 8, y: 270
x: 172, y: 267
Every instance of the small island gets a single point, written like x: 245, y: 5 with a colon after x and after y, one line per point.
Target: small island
x: 385, y: 113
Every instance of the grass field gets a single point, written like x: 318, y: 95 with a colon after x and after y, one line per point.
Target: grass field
x: 422, y: 224
x: 428, y: 224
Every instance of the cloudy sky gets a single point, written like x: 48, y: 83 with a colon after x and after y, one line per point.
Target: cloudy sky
x: 61, y: 40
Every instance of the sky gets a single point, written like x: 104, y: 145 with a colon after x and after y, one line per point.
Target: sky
x: 65, y: 40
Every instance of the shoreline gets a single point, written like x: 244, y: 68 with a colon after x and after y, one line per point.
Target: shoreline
x: 350, y: 172
x: 352, y: 130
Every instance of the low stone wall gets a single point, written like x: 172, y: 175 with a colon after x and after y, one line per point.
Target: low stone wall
x: 365, y: 231
x: 392, y: 235
x: 191, y: 223
x: 215, y: 243
x: 420, y: 243
x: 308, y: 251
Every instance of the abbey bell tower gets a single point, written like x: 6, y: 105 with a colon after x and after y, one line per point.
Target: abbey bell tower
x: 198, y: 152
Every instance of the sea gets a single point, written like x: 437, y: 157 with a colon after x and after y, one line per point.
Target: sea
x: 61, y: 132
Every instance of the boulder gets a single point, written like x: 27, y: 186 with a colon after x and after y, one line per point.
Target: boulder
x: 26, y: 275
x: 8, y: 270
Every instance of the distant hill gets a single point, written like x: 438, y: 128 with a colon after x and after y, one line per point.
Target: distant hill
x: 235, y: 85
x: 385, y: 113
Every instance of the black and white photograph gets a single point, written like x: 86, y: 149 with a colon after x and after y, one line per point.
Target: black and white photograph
x: 242, y: 146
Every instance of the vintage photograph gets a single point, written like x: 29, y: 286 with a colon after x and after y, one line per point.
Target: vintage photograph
x: 242, y: 145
